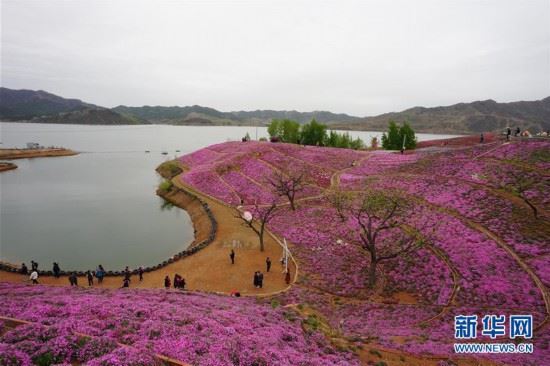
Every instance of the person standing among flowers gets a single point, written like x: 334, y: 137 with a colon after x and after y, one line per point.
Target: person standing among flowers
x: 287, y: 277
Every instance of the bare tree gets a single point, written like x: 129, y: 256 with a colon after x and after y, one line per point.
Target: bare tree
x: 518, y: 183
x: 381, y: 215
x: 263, y: 216
x: 341, y: 201
x: 287, y: 183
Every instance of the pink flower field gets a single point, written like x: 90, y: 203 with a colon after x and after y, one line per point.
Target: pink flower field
x: 485, y: 253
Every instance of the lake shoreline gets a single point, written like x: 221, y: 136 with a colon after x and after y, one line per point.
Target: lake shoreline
x: 209, y: 249
x: 11, y: 154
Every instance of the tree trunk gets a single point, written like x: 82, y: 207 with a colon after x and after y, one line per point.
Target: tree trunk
x: 261, y: 239
x: 290, y: 197
x: 372, y: 269
x: 342, y: 217
x: 535, y: 212
x: 372, y: 274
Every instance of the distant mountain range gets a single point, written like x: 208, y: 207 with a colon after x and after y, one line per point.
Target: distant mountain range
x: 189, y: 115
x: 475, y: 117
x: 26, y: 104
x: 44, y: 107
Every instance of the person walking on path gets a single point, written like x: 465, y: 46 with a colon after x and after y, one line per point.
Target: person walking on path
x: 167, y: 282
x: 34, y: 277
x: 126, y: 282
x: 232, y: 256
x: 260, y: 279
x: 140, y: 271
x: 268, y: 264
x: 100, y: 273
x: 90, y: 277
x: 287, y: 277
x: 257, y: 279
x: 127, y: 273
x: 24, y: 269
x: 73, y: 279
x: 56, y: 269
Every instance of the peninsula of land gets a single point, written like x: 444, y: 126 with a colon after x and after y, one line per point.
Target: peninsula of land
x: 10, y: 154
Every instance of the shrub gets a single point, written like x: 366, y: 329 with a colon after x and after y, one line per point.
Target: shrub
x: 165, y: 186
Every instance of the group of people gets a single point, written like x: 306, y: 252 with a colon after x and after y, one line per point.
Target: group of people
x: 33, y: 277
x: 509, y: 132
x: 99, y: 274
x: 258, y: 281
x: 25, y: 270
x: 179, y: 282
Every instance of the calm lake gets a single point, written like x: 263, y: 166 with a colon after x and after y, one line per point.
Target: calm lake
x: 100, y: 206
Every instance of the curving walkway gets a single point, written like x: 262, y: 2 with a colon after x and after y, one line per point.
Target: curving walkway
x: 210, y: 269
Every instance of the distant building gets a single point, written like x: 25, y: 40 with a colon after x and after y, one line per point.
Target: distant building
x: 33, y: 145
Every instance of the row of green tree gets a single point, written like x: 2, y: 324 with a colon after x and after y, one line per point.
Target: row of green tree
x: 399, y: 137
x: 312, y: 133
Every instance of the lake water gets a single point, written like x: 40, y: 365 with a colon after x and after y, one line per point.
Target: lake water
x: 100, y: 207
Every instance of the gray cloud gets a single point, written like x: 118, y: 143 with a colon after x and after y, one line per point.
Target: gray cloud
x: 358, y: 57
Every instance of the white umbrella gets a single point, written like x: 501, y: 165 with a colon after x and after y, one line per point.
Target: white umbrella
x: 247, y: 216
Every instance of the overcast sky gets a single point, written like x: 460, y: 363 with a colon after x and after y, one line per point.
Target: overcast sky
x: 357, y: 57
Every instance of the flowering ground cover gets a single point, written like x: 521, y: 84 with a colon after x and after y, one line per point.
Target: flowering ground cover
x: 196, y: 328
x: 459, y: 201
x: 485, y: 253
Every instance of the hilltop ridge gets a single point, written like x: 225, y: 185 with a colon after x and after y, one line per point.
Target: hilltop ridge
x: 460, y: 118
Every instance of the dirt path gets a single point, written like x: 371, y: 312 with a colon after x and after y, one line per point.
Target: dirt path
x: 501, y: 243
x: 335, y: 178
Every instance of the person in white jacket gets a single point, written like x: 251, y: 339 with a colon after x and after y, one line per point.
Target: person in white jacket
x: 34, y: 277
